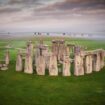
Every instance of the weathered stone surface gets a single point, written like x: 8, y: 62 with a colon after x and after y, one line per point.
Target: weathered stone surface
x: 37, y: 54
x: 19, y: 63
x: 53, y: 69
x: 30, y: 49
x: 98, y: 59
x: 41, y: 50
x: 61, y: 50
x: 40, y: 67
x: 28, y: 64
x: 4, y: 67
x: 46, y: 54
x: 55, y: 47
x: 7, y: 57
x: 66, y: 66
x: 78, y: 62
x: 102, y: 57
x: 94, y: 62
x: 78, y: 66
x: 47, y: 60
x: 98, y: 63
x: 88, y: 64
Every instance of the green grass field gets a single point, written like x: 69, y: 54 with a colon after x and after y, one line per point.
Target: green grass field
x: 18, y: 88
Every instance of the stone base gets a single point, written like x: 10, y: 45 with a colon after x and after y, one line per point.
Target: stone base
x: 53, y: 75
x: 4, y: 68
x: 28, y: 72
x: 66, y: 74
x: 40, y: 67
x: 18, y: 70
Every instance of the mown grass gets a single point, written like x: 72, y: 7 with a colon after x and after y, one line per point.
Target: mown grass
x: 23, y: 89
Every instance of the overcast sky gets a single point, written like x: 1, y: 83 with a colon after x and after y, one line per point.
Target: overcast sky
x: 87, y: 16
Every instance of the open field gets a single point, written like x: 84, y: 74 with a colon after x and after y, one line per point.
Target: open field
x: 24, y: 89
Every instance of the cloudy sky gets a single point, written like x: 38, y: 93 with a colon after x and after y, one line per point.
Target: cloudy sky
x: 87, y: 16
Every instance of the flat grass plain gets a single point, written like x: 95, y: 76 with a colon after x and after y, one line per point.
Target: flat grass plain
x: 18, y: 88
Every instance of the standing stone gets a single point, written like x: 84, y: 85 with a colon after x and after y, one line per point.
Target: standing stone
x: 47, y: 60
x: 98, y: 65
x: 4, y: 67
x: 40, y: 59
x: 30, y: 48
x: 37, y: 54
x: 19, y: 63
x: 55, y: 47
x: 94, y: 62
x: 78, y: 66
x: 66, y: 66
x: 46, y: 55
x: 53, y: 69
x: 40, y: 67
x: 88, y: 64
x: 7, y: 58
x: 102, y: 56
x: 78, y: 62
x: 61, y: 50
x: 28, y: 64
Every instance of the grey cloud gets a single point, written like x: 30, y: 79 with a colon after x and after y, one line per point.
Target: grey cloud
x: 10, y: 6
x: 24, y: 2
x: 71, y: 4
x: 57, y: 10
x: 9, y: 10
x: 74, y: 7
x: 13, y: 6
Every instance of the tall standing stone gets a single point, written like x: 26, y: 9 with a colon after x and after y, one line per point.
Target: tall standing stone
x: 47, y: 60
x: 40, y: 67
x: 61, y: 50
x: 37, y: 54
x: 88, y: 64
x: 19, y: 63
x: 98, y: 63
x: 78, y: 62
x: 28, y: 64
x: 53, y: 69
x: 94, y: 58
x: 30, y: 48
x: 46, y: 55
x: 66, y: 66
x: 40, y: 60
x: 7, y: 58
x: 55, y: 47
x: 102, y: 57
